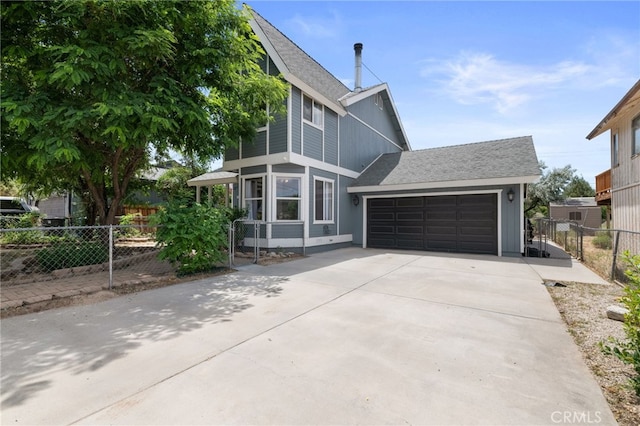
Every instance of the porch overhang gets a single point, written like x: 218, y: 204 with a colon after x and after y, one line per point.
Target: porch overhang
x: 213, y: 178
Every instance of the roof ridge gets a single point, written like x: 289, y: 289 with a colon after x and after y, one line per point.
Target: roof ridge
x: 473, y: 143
x: 254, y: 12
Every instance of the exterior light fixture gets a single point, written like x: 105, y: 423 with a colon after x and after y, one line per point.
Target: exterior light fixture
x: 355, y: 199
x: 511, y: 195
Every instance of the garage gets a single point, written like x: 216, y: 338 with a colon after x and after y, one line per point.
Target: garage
x: 449, y: 223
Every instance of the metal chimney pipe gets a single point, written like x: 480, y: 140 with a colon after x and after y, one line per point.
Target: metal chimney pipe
x: 358, y: 84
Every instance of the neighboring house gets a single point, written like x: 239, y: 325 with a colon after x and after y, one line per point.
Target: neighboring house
x: 338, y: 170
x: 583, y: 211
x: 619, y: 186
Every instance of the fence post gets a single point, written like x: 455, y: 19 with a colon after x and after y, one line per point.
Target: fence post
x: 581, y: 257
x: 110, y: 256
x: 230, y: 240
x: 615, y: 256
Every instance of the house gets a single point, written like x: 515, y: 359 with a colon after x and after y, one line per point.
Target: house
x: 339, y: 170
x: 619, y: 187
x: 583, y: 211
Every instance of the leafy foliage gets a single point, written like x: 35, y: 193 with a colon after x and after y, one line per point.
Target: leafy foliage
x: 550, y: 187
x: 71, y: 255
x: 579, y: 187
x: 90, y: 89
x: 628, y: 351
x: 193, y: 237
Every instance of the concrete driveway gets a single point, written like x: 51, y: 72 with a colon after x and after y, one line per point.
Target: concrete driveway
x: 350, y: 336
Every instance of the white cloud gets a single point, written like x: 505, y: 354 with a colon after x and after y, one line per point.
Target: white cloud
x: 317, y: 27
x: 480, y: 78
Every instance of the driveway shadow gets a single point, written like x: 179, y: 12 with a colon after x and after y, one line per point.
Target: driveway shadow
x: 82, y: 339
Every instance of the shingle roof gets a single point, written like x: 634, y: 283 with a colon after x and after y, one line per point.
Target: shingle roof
x: 299, y: 63
x: 499, y: 159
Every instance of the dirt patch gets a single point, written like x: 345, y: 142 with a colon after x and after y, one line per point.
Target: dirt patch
x: 583, y: 308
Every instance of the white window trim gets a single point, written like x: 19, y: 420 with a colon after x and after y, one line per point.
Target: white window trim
x: 314, y: 104
x: 275, y: 198
x: 333, y: 197
x: 615, y: 149
x: 244, y: 195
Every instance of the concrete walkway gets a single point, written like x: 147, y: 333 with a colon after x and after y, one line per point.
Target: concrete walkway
x: 350, y: 336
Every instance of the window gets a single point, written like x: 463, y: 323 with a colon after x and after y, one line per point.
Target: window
x: 575, y: 215
x: 253, y: 198
x: 635, y: 137
x: 377, y: 98
x: 288, y: 198
x: 614, y: 150
x: 323, y: 200
x: 312, y: 111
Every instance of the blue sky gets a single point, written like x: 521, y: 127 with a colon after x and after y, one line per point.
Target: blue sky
x: 462, y: 71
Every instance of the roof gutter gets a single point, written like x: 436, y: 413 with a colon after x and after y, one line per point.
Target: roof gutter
x: 600, y: 128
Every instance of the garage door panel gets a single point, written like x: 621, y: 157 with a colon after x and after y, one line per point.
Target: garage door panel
x: 410, y: 216
x: 410, y: 202
x: 456, y: 223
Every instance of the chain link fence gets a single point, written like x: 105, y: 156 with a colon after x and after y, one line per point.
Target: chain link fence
x: 106, y: 253
x: 600, y: 249
x: 247, y: 240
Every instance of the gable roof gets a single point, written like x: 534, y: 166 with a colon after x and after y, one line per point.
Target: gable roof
x: 630, y: 100
x: 383, y: 89
x: 296, y: 65
x: 576, y: 202
x: 505, y: 161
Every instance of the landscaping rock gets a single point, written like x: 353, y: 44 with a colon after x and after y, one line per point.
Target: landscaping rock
x: 616, y: 312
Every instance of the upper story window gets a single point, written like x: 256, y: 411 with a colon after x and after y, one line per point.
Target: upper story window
x: 614, y: 150
x: 635, y: 136
x: 254, y: 198
x: 323, y: 199
x: 312, y: 111
x: 377, y: 98
x: 288, y: 198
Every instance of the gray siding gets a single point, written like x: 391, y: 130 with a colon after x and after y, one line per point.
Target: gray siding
x: 367, y: 111
x: 330, y: 137
x: 287, y: 231
x: 257, y: 147
x: 296, y: 120
x: 231, y: 153
x: 312, y: 143
x: 253, y: 170
x: 288, y: 168
x: 359, y: 145
x: 348, y: 214
x: 278, y: 135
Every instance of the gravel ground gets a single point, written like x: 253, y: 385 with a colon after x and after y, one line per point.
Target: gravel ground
x: 583, y: 307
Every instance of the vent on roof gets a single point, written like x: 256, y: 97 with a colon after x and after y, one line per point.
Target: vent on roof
x: 358, y: 84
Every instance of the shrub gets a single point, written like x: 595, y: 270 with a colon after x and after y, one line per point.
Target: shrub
x: 72, y: 255
x: 603, y: 241
x: 24, y: 221
x: 126, y: 221
x: 193, y: 237
x: 628, y: 351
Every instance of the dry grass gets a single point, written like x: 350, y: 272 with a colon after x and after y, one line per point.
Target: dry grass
x: 583, y: 308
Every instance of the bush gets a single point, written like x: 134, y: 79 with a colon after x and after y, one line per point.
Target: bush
x: 24, y: 221
x: 628, y: 351
x: 603, y: 241
x: 127, y: 220
x: 193, y: 237
x: 72, y: 255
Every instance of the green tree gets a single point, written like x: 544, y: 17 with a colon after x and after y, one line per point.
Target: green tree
x: 579, y: 187
x: 91, y: 88
x: 550, y: 187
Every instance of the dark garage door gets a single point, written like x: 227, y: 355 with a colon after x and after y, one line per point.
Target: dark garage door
x: 455, y: 223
